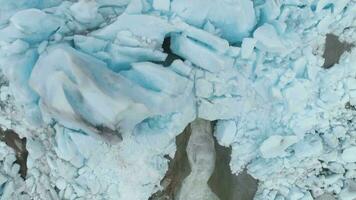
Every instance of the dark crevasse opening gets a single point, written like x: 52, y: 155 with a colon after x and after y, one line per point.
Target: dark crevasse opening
x: 334, y: 48
x: 178, y: 169
x: 348, y: 106
x: 228, y: 186
x: 166, y: 46
x: 13, y: 140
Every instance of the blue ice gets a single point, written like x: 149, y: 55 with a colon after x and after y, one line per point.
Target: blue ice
x: 99, y: 68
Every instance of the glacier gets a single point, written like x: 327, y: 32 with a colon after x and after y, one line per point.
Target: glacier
x: 101, y: 88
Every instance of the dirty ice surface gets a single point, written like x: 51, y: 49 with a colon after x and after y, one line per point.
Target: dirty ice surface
x: 100, y: 100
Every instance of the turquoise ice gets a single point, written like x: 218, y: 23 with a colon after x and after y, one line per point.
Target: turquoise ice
x: 120, y: 79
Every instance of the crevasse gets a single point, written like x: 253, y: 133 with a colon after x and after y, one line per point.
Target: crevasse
x: 89, y: 88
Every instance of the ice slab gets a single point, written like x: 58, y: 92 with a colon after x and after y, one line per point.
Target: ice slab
x: 79, y: 85
x: 95, y: 67
x: 30, y: 30
x: 225, y: 132
x: 349, y: 154
x: 234, y: 18
x: 275, y: 145
x: 163, y: 5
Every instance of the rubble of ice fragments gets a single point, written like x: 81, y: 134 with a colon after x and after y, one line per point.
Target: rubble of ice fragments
x: 12, y: 186
x: 91, y: 86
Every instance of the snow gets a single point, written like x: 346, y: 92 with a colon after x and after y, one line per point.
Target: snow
x: 88, y: 84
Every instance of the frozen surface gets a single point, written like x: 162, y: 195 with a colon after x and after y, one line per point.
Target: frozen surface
x: 86, y: 82
x: 201, y: 156
x: 11, y: 183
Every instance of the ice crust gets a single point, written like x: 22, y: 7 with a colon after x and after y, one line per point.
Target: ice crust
x: 90, y: 90
x: 201, y: 156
